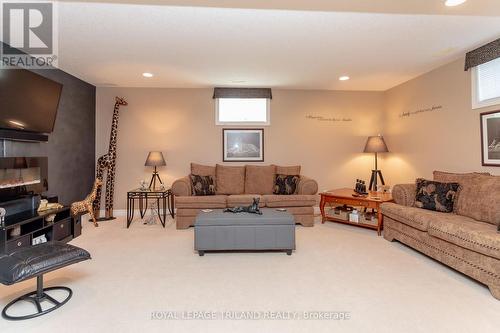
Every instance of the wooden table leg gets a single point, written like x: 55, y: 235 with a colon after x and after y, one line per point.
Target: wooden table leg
x: 380, y: 221
x: 322, y: 208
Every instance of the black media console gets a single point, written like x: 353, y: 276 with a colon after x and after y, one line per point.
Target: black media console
x: 19, y: 230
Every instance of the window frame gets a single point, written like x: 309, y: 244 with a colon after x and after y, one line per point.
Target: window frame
x: 476, y: 103
x: 243, y: 123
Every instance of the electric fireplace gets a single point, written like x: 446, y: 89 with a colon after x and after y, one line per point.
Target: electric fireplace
x: 21, y: 176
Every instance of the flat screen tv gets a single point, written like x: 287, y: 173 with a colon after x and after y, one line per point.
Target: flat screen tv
x: 28, y: 101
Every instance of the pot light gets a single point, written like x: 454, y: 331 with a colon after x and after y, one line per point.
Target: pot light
x: 453, y: 3
x: 344, y: 78
x: 146, y: 74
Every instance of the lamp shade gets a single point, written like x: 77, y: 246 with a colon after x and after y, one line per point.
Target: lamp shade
x: 376, y: 144
x: 155, y: 158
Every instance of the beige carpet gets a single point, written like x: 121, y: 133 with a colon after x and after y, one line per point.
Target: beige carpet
x: 385, y: 287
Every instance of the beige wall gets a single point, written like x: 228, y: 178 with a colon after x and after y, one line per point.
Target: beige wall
x: 448, y: 139
x: 181, y: 123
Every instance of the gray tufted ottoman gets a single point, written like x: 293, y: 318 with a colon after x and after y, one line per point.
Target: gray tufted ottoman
x: 219, y: 231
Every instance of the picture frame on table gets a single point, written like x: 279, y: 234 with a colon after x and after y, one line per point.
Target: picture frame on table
x: 243, y: 145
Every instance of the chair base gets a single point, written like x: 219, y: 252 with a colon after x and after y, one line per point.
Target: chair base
x: 36, y: 298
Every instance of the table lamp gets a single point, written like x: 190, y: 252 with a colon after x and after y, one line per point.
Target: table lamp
x: 376, y: 144
x: 155, y: 159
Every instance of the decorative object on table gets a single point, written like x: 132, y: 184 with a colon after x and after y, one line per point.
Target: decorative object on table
x: 354, y: 216
x: 50, y: 218
x: 155, y: 159
x: 144, y: 185
x: 153, y: 207
x: 85, y: 206
x: 360, y: 187
x: 436, y: 196
x: 285, y: 184
x: 15, y: 232
x: 253, y: 208
x: 39, y: 240
x: 107, y: 163
x: 376, y: 145
x: 3, y: 212
x: 490, y: 138
x: 202, y: 185
x: 46, y: 205
x: 243, y: 145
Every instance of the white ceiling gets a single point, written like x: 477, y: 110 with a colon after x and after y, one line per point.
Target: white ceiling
x: 112, y: 43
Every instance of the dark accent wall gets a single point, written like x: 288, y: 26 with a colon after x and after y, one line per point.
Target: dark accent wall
x: 71, y: 147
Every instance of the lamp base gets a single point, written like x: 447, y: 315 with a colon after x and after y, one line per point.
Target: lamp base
x: 373, y: 180
x: 152, y: 183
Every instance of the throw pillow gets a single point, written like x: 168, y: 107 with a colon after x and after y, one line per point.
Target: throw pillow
x: 436, y: 196
x: 202, y: 185
x: 285, y: 184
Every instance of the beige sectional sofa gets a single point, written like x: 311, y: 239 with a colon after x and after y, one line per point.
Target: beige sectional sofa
x: 466, y: 240
x: 238, y: 185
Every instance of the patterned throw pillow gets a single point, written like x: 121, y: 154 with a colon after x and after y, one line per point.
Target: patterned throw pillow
x: 285, y: 184
x: 202, y: 185
x: 436, y: 196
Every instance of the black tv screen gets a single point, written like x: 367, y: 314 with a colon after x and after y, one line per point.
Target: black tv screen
x: 28, y: 101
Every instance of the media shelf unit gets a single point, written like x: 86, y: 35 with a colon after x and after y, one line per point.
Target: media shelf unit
x: 31, y: 224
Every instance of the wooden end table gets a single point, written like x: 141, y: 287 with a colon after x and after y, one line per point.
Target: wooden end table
x: 344, y: 196
x: 142, y: 196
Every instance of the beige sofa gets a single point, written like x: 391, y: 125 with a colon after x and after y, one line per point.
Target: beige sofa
x: 238, y: 185
x: 466, y: 240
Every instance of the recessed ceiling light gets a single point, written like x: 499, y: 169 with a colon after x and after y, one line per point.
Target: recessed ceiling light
x: 452, y: 3
x: 147, y: 74
x: 344, y: 78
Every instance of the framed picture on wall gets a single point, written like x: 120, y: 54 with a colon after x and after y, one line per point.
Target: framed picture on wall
x: 243, y: 145
x: 490, y: 138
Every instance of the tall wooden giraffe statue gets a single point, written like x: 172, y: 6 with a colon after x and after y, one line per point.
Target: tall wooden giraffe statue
x: 107, y: 163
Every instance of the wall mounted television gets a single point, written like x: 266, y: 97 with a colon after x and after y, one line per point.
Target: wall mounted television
x: 28, y: 104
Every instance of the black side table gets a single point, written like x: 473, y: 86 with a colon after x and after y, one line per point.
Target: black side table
x: 165, y: 196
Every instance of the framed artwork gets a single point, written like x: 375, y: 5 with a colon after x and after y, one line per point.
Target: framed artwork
x: 243, y: 145
x: 490, y: 138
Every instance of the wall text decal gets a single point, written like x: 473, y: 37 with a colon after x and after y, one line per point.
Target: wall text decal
x: 412, y: 113
x: 331, y: 119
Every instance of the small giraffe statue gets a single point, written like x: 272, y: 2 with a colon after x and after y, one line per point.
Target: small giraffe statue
x: 107, y: 163
x: 85, y: 206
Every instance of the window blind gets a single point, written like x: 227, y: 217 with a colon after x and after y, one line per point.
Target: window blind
x: 488, y: 80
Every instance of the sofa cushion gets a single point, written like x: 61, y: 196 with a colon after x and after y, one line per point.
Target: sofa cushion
x: 296, y: 200
x: 230, y: 179
x: 436, y: 196
x: 286, y: 184
x: 461, y: 178
x: 243, y: 200
x: 480, y: 200
x: 203, y: 170
x: 202, y: 185
x: 288, y: 170
x: 259, y: 179
x: 207, y: 201
x: 464, y: 179
x: 465, y: 232
x: 411, y: 216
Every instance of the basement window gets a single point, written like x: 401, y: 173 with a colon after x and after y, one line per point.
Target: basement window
x: 242, y: 111
x: 242, y: 106
x: 486, y: 84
